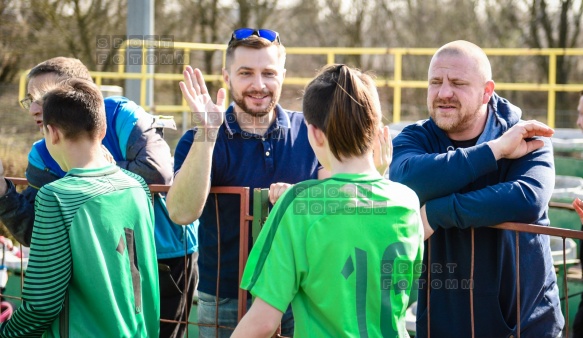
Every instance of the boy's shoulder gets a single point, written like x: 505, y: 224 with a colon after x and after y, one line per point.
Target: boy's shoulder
x: 68, y: 185
x: 139, y: 180
x: 81, y: 182
x: 80, y: 178
x: 402, y: 190
x: 134, y: 176
x: 300, y: 190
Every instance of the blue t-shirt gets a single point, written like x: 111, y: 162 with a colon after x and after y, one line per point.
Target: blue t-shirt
x: 243, y: 159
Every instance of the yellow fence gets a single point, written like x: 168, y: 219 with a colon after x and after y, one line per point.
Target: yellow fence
x: 397, y: 83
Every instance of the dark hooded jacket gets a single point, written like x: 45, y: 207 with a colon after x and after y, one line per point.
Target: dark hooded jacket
x: 465, y: 191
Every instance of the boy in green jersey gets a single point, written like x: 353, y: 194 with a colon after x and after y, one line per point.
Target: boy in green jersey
x: 92, y: 269
x: 344, y: 251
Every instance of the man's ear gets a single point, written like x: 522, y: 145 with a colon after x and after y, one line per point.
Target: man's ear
x: 53, y: 134
x: 488, y: 91
x: 226, y: 78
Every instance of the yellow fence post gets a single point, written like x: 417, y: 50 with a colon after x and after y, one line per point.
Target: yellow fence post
x: 552, y: 93
x: 397, y: 86
x: 330, y: 59
x: 22, y: 85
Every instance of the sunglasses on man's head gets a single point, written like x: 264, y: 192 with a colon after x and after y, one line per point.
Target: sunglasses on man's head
x: 244, y: 33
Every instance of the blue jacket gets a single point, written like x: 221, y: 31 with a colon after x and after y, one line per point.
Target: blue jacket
x: 136, y: 146
x: 466, y: 189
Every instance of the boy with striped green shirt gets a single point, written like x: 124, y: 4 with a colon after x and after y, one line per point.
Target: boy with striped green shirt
x: 345, y: 251
x: 92, y: 269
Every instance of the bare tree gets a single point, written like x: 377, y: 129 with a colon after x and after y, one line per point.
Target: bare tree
x: 255, y: 13
x: 11, y: 37
x: 556, y: 28
x: 541, y: 24
x: 428, y: 23
x: 71, y: 27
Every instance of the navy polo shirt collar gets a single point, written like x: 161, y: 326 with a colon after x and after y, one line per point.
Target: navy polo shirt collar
x: 232, y: 126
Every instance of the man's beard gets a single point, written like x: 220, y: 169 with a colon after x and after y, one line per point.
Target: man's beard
x: 462, y: 121
x: 240, y: 102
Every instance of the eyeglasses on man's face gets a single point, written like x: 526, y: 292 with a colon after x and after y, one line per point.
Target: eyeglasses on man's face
x: 244, y: 33
x: 28, y: 101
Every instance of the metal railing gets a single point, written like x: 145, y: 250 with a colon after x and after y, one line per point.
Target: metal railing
x: 393, y: 60
x: 261, y: 201
x: 544, y: 230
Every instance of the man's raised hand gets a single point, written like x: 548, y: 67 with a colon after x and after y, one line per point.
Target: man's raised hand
x: 205, y: 113
x: 383, y: 150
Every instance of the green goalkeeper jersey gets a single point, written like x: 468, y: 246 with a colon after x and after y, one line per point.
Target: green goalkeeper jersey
x: 92, y: 270
x: 345, y: 252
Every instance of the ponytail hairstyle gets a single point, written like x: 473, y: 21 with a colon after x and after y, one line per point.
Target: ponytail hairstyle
x: 343, y: 102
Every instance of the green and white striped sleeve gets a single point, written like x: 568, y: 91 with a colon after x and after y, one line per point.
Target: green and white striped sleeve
x: 49, y: 268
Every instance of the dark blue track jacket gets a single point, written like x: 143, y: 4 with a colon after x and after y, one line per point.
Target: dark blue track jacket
x: 465, y: 189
